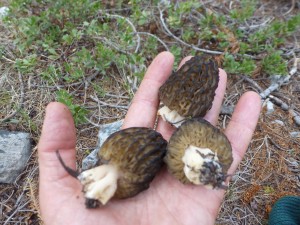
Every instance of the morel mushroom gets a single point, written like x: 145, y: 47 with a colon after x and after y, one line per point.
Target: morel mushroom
x: 199, y: 153
x: 128, y: 162
x: 189, y: 92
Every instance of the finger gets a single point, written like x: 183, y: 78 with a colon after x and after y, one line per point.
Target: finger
x: 165, y: 128
x: 213, y: 114
x: 143, y: 109
x: 242, y: 125
x: 58, y: 133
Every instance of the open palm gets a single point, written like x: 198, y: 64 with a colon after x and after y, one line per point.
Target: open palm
x: 167, y: 201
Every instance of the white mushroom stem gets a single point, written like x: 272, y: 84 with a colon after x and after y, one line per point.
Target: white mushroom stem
x: 99, y: 183
x: 171, y: 116
x: 194, y: 159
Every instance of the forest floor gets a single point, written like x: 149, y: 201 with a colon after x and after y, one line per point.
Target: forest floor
x: 94, y: 59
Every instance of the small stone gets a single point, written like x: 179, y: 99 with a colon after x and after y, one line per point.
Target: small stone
x: 3, y: 11
x: 104, y: 132
x: 270, y: 107
x: 15, y: 150
x: 295, y: 134
x: 279, y: 122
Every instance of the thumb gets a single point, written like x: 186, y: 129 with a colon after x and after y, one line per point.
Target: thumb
x: 56, y: 186
x: 58, y: 133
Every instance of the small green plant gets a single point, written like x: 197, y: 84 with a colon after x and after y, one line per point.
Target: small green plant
x: 99, y: 90
x: 246, y: 66
x: 188, y: 34
x: 268, y: 190
x: 142, y: 17
x: 25, y: 119
x: 78, y: 112
x: 27, y: 64
x: 177, y: 12
x: 273, y: 35
x: 2, y: 49
x: 285, y: 28
x: 5, y: 97
x: 52, y: 73
x: 176, y: 51
x: 212, y: 20
x: 273, y: 63
x: 245, y: 11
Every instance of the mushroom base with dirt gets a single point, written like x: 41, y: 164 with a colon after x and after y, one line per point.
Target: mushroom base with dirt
x: 200, y: 154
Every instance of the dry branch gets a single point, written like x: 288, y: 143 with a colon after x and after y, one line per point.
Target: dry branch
x: 107, y: 104
x: 280, y: 82
x: 157, y: 38
x: 181, y: 41
x: 129, y: 22
x: 284, y: 106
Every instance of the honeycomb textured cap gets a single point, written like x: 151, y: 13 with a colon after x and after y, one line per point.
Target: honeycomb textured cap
x: 200, y: 133
x: 191, y: 90
x: 138, y: 154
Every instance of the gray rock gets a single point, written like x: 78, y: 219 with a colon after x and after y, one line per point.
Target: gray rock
x: 279, y: 122
x: 3, y: 11
x: 15, y: 150
x: 104, y: 132
x: 295, y: 134
x: 270, y: 107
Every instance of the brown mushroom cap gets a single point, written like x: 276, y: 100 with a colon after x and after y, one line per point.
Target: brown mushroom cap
x: 128, y: 161
x: 190, y: 90
x: 137, y: 154
x: 200, y: 133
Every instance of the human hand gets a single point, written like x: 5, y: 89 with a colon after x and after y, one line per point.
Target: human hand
x: 167, y: 201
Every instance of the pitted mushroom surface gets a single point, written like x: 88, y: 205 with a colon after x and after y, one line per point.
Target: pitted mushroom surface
x: 199, y: 153
x: 189, y: 92
x: 128, y: 161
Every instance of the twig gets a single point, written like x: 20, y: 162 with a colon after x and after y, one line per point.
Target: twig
x: 181, y: 41
x: 251, y: 27
x: 291, y: 9
x: 132, y: 26
x: 193, y: 46
x: 296, y: 117
x: 256, y: 85
x: 157, y: 38
x: 116, y: 96
x: 274, y: 86
x: 284, y: 106
x: 21, y: 100
x: 279, y: 102
x: 88, y: 80
x: 7, y: 59
x: 91, y: 122
x: 84, y: 81
x: 15, y: 211
x: 276, y: 145
x: 107, y: 104
x: 57, y: 86
x: 111, y: 44
x: 280, y: 82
